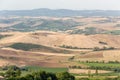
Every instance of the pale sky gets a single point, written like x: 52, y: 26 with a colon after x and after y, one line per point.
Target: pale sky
x: 60, y: 4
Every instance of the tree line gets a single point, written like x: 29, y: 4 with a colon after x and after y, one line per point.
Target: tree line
x: 15, y: 73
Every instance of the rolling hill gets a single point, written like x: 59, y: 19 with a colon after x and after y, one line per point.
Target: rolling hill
x: 59, y: 12
x: 55, y: 39
x: 42, y: 48
x: 58, y: 41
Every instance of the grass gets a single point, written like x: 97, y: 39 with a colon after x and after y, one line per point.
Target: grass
x: 31, y: 47
x: 47, y: 69
x: 25, y: 46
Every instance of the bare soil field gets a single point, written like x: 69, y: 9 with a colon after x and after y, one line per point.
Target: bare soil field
x: 86, y: 71
x: 108, y: 55
x: 16, y: 57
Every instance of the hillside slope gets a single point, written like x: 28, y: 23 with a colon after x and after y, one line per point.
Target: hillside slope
x: 54, y: 39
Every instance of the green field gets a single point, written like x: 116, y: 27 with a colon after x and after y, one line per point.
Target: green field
x: 30, y: 47
x: 114, y: 65
x: 37, y: 69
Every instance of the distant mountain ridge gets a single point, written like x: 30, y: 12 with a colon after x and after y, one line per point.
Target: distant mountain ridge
x: 59, y: 12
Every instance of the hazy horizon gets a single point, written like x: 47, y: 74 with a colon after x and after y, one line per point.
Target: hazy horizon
x: 60, y: 4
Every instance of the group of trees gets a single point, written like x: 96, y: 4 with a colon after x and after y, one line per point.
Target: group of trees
x: 101, y: 42
x: 69, y: 47
x: 114, y: 61
x: 42, y: 75
x: 116, y: 69
x: 87, y: 61
x: 72, y: 47
x: 3, y: 36
x: 104, y: 48
x: 75, y: 67
x: 11, y: 71
x: 94, y: 49
x: 14, y: 73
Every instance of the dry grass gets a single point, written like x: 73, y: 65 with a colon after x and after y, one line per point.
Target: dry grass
x: 57, y: 39
x: 86, y: 71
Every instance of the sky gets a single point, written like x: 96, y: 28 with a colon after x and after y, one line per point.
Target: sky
x: 60, y: 4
